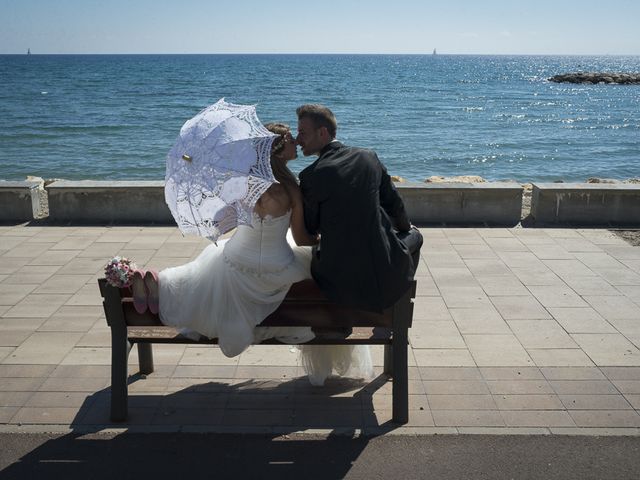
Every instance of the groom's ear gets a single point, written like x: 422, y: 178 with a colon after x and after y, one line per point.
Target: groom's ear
x: 324, y: 133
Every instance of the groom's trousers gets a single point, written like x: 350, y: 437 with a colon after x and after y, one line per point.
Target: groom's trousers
x: 413, y: 240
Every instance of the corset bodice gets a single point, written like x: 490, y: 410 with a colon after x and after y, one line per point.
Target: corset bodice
x: 261, y: 247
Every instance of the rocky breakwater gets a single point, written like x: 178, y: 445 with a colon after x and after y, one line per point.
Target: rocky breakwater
x: 597, y: 77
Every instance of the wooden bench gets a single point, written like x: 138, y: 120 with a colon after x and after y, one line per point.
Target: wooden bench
x: 304, y: 306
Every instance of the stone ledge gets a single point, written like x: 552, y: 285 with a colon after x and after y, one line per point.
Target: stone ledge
x: 108, y: 184
x: 586, y: 203
x: 99, y: 202
x: 20, y: 201
x: 463, y: 203
x: 490, y: 203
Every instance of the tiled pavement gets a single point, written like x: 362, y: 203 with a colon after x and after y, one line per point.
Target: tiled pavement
x: 515, y: 331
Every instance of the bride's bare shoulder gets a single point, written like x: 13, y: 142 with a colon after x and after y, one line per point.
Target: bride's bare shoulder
x: 275, y: 201
x: 277, y: 190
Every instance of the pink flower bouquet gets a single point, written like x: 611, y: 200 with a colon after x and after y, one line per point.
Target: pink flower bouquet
x: 119, y: 272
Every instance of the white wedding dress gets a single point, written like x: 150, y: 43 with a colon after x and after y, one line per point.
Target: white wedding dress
x: 234, y: 285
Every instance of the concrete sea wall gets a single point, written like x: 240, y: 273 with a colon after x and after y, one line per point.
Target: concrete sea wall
x: 585, y: 203
x: 491, y: 204
x: 124, y: 202
x: 22, y: 201
x: 463, y: 203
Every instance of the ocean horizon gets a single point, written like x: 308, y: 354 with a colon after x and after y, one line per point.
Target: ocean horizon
x: 116, y: 116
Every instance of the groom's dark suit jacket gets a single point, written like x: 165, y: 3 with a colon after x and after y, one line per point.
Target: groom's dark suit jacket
x: 350, y: 200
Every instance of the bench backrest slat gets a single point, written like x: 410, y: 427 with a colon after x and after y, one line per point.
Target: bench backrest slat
x: 305, y: 305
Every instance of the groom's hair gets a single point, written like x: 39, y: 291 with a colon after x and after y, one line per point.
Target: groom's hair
x: 320, y: 115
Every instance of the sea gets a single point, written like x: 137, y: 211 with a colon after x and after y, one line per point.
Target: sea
x: 110, y: 117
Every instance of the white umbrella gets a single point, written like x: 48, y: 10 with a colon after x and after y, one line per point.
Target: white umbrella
x: 217, y: 169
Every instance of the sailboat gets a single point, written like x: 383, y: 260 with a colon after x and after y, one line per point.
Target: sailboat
x: 28, y: 51
x: 434, y: 51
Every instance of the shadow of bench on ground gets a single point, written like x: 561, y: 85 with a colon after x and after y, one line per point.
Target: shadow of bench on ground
x: 246, y: 428
x: 250, y: 405
x: 176, y: 455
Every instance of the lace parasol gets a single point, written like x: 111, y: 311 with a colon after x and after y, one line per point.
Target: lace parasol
x: 217, y: 169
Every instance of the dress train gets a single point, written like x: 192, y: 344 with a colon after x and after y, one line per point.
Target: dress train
x: 320, y: 361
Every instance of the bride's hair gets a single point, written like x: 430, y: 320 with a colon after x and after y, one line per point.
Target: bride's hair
x: 279, y: 167
x: 280, y: 129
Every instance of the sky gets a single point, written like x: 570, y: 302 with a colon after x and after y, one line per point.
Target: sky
x: 572, y: 27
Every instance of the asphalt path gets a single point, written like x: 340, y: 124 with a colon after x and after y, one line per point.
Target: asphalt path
x: 303, y: 457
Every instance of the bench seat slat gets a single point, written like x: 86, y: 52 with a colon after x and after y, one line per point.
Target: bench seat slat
x: 163, y: 334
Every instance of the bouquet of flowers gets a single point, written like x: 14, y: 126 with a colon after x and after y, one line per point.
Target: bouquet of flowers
x: 119, y: 272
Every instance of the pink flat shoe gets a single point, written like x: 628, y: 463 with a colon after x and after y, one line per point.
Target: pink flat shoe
x: 139, y: 291
x: 151, y: 284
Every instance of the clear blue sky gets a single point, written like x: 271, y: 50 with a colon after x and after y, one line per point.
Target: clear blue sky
x: 330, y: 26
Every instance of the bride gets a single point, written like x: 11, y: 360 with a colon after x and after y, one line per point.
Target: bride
x: 234, y: 285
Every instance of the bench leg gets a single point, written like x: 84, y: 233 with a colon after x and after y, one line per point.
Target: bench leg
x: 145, y: 358
x: 120, y: 348
x: 388, y: 360
x: 400, y: 387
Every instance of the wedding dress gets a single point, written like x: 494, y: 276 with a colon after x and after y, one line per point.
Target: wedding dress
x: 234, y: 285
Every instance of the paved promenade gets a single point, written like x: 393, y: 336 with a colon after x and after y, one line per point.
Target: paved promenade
x: 533, y: 331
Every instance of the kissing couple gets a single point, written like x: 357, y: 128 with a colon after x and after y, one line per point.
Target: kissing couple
x: 343, y: 224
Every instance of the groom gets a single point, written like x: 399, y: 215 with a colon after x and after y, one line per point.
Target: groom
x: 350, y: 201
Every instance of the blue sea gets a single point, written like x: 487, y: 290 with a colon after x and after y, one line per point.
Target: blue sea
x: 117, y: 116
